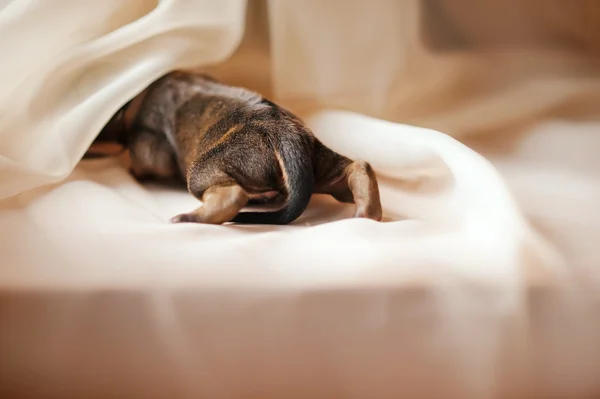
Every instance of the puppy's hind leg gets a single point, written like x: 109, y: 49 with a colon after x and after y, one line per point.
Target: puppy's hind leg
x: 362, y: 182
x: 222, y: 197
x: 220, y: 204
x: 348, y: 181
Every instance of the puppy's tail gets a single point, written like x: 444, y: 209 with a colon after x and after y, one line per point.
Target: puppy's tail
x: 295, y: 159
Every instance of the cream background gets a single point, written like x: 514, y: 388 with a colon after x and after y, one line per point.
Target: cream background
x: 483, y: 283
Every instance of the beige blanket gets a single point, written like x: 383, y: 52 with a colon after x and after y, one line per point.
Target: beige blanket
x: 482, y: 282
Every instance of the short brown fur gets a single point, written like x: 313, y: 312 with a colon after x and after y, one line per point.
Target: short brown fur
x: 232, y: 147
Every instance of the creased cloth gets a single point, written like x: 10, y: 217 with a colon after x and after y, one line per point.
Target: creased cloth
x: 482, y: 281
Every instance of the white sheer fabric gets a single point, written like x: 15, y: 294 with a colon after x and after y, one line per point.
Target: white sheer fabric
x: 482, y: 282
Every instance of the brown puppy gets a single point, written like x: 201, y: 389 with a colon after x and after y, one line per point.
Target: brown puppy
x: 234, y: 148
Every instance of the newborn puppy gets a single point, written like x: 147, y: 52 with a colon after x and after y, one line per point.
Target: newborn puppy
x: 234, y: 148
